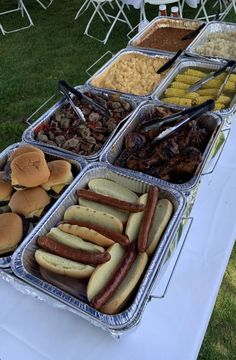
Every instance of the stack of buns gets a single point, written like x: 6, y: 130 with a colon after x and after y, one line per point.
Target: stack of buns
x: 106, y: 240
x: 27, y: 190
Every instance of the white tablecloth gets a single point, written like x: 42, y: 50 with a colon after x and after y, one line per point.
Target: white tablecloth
x: 172, y: 327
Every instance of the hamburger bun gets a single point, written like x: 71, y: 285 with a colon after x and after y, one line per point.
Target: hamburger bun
x: 5, y: 189
x: 60, y: 265
x: 60, y: 175
x: 11, y: 231
x: 29, y: 202
x: 29, y: 169
x: 22, y: 150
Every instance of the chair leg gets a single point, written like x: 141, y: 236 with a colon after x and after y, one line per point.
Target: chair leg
x: 44, y: 6
x: 121, y: 7
x: 80, y: 12
x: 21, y: 8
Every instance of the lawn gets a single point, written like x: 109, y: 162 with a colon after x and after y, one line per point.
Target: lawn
x: 31, y: 63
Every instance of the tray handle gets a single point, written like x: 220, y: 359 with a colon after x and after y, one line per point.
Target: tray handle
x: 97, y: 61
x: 215, y: 158
x: 169, y: 271
x: 30, y: 119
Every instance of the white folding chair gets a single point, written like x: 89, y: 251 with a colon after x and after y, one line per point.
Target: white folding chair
x: 231, y: 5
x: 112, y: 19
x: 21, y: 9
x: 85, y: 7
x: 224, y: 7
x: 45, y: 6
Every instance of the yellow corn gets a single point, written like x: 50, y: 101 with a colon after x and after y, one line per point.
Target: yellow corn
x: 212, y: 84
x: 197, y: 73
x: 179, y: 85
x: 230, y: 86
x: 219, y: 106
x: 201, y: 99
x: 207, y: 92
x: 172, y: 92
x: 187, y: 79
x: 179, y: 101
x: 224, y: 100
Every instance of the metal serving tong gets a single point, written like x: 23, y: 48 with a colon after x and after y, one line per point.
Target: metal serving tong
x: 190, y: 113
x: 170, y: 62
x: 193, y: 33
x: 67, y: 89
x: 219, y: 92
x: 201, y: 82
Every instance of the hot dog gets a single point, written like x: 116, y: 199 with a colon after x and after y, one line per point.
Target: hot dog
x: 147, y: 218
x: 67, y: 252
x: 113, y: 235
x: 104, y: 199
x: 101, y: 298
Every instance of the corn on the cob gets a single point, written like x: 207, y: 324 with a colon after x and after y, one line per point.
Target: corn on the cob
x: 187, y: 79
x: 197, y: 73
x: 179, y: 85
x: 219, y: 106
x: 171, y: 92
x: 224, y: 100
x: 179, y: 101
x: 207, y: 92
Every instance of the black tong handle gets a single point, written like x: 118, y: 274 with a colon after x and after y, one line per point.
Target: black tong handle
x: 170, y: 62
x: 87, y: 99
x: 157, y: 122
x: 193, y: 33
x: 230, y: 63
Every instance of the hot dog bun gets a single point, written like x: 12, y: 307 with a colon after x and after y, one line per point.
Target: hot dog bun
x: 123, y: 293
x: 103, y: 273
x: 134, y: 220
x: 73, y: 241
x: 110, y: 188
x: 60, y: 265
x: 122, y: 215
x: 11, y: 231
x: 86, y: 234
x: 82, y: 213
x: 162, y: 215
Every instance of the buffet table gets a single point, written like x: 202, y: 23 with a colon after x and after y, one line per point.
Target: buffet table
x: 176, y: 317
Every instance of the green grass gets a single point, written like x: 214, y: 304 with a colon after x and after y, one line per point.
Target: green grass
x: 31, y: 63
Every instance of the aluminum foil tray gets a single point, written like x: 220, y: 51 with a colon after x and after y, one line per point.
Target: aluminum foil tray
x: 25, y: 268
x: 201, y: 39
x: 115, y: 58
x: 77, y: 165
x: 29, y: 137
x: 214, y: 122
x: 161, y: 22
x: 196, y: 64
